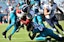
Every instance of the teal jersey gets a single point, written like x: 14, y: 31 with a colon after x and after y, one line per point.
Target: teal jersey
x: 37, y: 27
x: 36, y: 31
x: 12, y: 16
x: 32, y: 2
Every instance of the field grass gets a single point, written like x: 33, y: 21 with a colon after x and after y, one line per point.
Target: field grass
x: 22, y: 35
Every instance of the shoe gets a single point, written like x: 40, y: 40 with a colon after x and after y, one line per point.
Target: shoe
x: 4, y: 34
x: 59, y: 35
x: 9, y: 37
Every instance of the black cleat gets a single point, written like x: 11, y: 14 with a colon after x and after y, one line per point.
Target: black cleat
x: 9, y: 37
x: 62, y: 38
x: 4, y: 34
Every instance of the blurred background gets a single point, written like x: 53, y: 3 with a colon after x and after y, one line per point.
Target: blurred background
x: 22, y: 35
x: 4, y: 4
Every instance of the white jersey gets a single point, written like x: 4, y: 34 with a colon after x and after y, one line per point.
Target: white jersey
x: 51, y: 9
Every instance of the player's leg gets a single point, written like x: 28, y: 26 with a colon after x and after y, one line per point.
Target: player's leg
x: 49, y: 32
x: 19, y: 26
x: 12, y: 18
x: 9, y: 26
x: 13, y: 31
x: 51, y: 23
x: 57, y: 23
x: 59, y: 26
x: 55, y: 36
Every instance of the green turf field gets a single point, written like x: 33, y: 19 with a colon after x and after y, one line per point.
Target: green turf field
x: 21, y: 36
